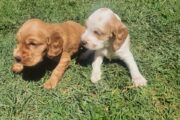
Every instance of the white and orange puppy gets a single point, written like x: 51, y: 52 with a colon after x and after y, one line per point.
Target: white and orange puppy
x: 108, y: 36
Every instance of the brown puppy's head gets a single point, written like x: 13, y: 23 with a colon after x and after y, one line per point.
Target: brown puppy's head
x: 32, y: 39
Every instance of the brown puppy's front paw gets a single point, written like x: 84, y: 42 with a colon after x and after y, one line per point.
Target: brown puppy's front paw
x: 17, y: 68
x: 50, y: 84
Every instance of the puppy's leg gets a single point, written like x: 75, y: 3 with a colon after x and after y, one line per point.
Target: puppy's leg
x: 96, y: 67
x: 58, y: 71
x: 127, y: 57
x: 17, y: 67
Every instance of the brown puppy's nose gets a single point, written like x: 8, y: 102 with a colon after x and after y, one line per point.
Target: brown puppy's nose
x: 84, y: 42
x: 18, y: 58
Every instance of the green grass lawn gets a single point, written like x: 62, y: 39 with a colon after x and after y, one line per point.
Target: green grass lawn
x: 154, y: 27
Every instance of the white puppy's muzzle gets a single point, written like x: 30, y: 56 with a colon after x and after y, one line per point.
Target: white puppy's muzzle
x: 90, y: 41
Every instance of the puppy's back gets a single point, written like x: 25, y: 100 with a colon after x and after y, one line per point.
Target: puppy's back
x: 73, y: 29
x: 72, y: 32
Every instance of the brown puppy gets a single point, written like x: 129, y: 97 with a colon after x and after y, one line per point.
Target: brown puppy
x: 37, y: 39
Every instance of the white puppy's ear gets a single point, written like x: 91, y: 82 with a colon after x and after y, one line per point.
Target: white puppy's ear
x: 120, y: 33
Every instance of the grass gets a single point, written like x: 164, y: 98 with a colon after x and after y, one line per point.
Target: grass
x: 154, y: 26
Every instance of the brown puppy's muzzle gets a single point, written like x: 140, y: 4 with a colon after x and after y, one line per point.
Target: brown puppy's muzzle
x: 18, y: 59
x: 20, y: 55
x: 24, y: 58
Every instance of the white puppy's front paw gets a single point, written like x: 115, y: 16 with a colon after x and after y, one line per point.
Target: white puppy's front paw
x: 95, y: 77
x: 139, y: 81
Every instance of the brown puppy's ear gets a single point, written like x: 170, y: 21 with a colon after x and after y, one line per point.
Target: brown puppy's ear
x: 55, y: 45
x: 120, y: 33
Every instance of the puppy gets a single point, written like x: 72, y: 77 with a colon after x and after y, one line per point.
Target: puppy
x: 37, y: 40
x: 108, y: 36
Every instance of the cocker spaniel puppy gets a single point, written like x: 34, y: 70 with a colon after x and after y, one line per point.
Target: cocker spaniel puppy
x: 37, y: 39
x: 108, y: 36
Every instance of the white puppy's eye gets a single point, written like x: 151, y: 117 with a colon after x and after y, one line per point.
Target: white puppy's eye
x: 97, y: 32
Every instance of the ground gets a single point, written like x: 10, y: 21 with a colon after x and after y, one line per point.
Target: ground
x: 154, y: 27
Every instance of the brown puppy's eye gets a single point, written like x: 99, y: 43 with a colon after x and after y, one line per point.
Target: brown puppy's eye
x: 32, y: 44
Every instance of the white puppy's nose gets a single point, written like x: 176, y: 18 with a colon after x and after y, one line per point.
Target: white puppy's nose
x: 83, y: 42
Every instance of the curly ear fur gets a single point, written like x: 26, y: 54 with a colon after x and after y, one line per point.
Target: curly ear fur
x: 55, y: 45
x: 120, y: 32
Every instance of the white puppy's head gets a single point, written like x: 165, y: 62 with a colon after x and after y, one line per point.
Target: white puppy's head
x: 104, y: 29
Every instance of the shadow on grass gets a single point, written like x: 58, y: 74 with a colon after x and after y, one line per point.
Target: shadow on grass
x: 37, y: 72
x: 84, y: 61
x: 89, y: 59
